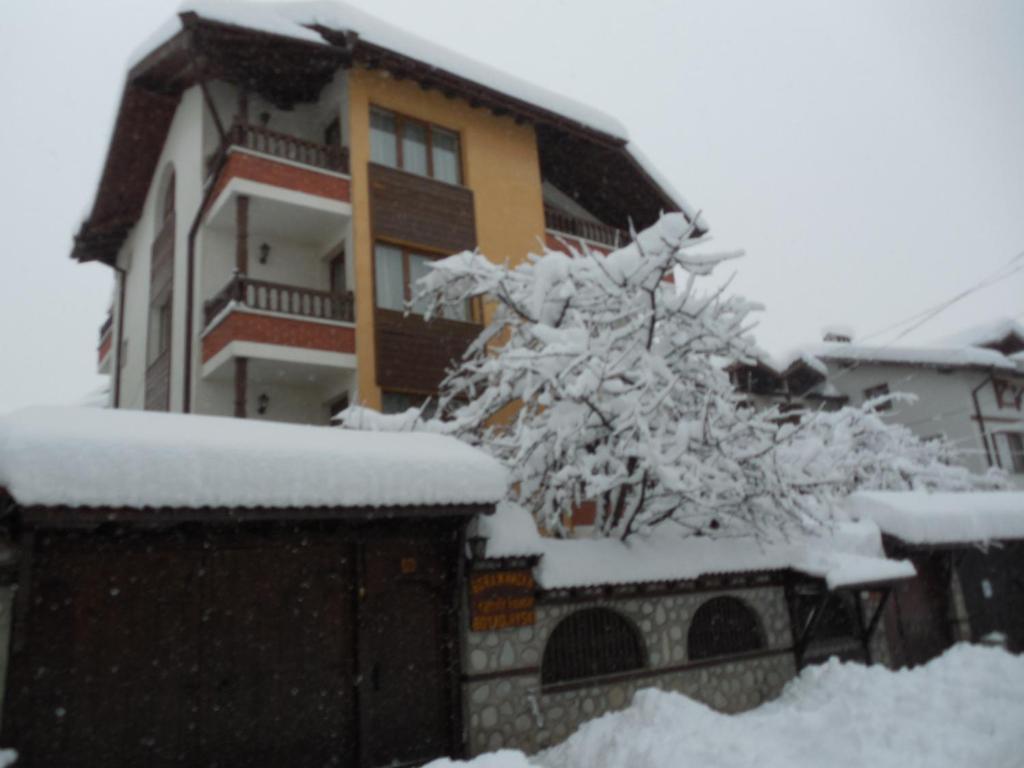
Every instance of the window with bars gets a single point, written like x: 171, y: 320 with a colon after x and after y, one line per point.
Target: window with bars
x: 724, y: 626
x: 591, y: 643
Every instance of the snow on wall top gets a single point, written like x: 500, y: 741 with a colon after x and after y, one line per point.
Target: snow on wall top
x: 917, y: 517
x: 293, y: 19
x: 851, y: 555
x: 962, y: 356
x: 83, y: 457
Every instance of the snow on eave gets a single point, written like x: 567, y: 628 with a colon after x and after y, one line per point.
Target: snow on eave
x: 297, y: 19
x: 922, y: 518
x: 83, y: 457
x: 668, y: 190
x: 937, y: 357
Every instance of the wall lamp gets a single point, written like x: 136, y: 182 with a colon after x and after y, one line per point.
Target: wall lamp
x: 262, y: 402
x: 264, y: 253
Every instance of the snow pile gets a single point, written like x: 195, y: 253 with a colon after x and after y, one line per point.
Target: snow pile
x: 849, y: 554
x: 965, y: 708
x: 91, y: 457
x: 918, y: 517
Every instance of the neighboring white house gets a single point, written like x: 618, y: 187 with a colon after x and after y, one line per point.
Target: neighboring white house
x: 968, y: 388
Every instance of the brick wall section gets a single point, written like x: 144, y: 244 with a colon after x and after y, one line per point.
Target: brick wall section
x: 267, y: 171
x: 104, y: 349
x: 285, y: 331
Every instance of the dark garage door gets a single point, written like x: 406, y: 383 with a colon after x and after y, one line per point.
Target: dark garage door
x: 159, y: 650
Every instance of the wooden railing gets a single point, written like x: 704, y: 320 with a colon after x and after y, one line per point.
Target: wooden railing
x: 567, y: 224
x: 282, y: 299
x: 259, y: 139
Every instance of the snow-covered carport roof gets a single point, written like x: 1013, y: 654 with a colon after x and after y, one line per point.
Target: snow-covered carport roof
x: 92, y: 465
x: 844, y: 557
x: 290, y: 50
x: 922, y: 519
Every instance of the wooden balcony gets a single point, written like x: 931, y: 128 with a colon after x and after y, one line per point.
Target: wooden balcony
x: 564, y: 223
x: 281, y: 299
x: 328, y: 157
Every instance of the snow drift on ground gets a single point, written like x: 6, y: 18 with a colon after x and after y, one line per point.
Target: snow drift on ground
x: 962, y: 710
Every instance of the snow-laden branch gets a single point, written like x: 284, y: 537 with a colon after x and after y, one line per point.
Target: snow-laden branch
x: 596, y: 380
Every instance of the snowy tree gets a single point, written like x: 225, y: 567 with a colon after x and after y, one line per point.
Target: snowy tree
x: 597, y: 379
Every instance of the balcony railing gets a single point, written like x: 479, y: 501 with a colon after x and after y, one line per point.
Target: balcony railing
x: 330, y: 157
x: 281, y: 299
x: 567, y: 224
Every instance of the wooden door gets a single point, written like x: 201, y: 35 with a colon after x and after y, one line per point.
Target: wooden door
x: 277, y: 651
x: 923, y: 610
x: 406, y: 621
x: 993, y: 588
x: 107, y: 673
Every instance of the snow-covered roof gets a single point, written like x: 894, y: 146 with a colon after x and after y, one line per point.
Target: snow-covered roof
x: 918, y: 517
x: 295, y: 19
x: 82, y: 457
x: 849, y: 555
x: 955, y: 357
x: 982, y: 335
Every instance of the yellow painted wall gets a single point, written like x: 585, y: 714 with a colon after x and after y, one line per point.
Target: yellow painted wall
x: 499, y: 164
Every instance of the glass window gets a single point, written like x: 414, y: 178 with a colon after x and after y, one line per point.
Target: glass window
x: 383, y: 144
x: 445, y: 146
x: 419, y: 266
x: 414, y: 147
x: 159, y: 329
x: 389, y: 277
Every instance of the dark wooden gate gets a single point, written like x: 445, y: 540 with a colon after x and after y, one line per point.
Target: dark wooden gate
x: 993, y: 588
x: 160, y: 652
x: 921, y: 612
x: 235, y: 649
x: 406, y: 622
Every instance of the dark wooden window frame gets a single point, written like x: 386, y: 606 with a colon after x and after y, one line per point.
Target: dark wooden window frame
x: 400, y: 123
x: 589, y: 645
x: 724, y: 626
x: 407, y: 251
x: 878, y: 390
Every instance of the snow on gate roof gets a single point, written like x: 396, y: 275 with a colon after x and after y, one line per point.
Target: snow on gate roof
x: 86, y: 457
x: 918, y: 517
x: 850, y: 555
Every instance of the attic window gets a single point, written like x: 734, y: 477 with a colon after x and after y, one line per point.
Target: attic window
x: 591, y: 643
x: 880, y: 390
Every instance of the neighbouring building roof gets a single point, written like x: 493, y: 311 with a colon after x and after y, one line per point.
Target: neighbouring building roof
x: 918, y: 517
x: 849, y: 555
x: 1007, y: 334
x: 932, y: 357
x: 86, y: 457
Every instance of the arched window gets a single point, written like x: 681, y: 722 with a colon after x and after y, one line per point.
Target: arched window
x: 724, y: 626
x: 591, y: 643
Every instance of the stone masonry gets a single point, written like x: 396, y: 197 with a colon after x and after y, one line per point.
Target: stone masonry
x: 506, y: 705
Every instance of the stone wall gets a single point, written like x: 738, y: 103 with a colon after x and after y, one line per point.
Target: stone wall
x: 506, y: 705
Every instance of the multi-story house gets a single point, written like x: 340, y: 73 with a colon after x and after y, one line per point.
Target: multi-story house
x: 277, y: 180
x: 968, y: 388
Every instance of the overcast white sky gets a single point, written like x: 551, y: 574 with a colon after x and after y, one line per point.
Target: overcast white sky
x: 869, y: 156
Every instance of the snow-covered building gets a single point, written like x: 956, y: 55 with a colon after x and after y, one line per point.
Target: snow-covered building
x: 968, y: 388
x: 280, y: 174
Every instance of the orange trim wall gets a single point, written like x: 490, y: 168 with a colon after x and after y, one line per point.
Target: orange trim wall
x: 285, y: 331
